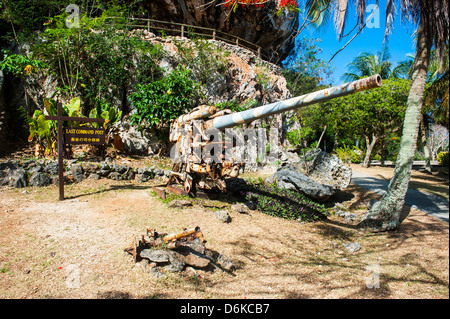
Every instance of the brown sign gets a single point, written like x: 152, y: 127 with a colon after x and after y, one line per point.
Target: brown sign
x: 84, y: 135
x: 60, y: 118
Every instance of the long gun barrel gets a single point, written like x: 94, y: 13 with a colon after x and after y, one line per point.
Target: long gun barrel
x: 230, y: 120
x: 192, y: 170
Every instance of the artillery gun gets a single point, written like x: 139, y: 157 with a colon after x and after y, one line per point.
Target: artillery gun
x: 195, y: 135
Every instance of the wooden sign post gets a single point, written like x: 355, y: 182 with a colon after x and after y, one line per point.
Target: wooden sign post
x: 74, y: 135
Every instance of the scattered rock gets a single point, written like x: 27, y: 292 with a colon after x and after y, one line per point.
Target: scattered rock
x: 179, y: 203
x: 176, y: 262
x: 18, y: 178
x: 158, y: 256
x: 40, y: 179
x: 352, y: 247
x: 240, y: 208
x: 196, y: 261
x: 77, y: 172
x: 94, y: 176
x: 250, y: 205
x: 223, y: 216
x: 226, y: 263
x: 349, y: 217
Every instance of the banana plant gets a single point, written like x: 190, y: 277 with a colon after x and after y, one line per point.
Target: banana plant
x: 107, y: 112
x: 45, y: 131
x: 42, y: 131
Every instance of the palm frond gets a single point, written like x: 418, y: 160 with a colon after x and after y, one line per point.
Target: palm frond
x: 391, y: 11
x: 340, y: 17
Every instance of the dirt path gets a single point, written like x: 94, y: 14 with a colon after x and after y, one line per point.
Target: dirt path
x: 74, y: 249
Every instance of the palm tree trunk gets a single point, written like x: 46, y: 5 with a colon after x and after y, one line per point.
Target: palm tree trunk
x: 386, y: 215
x: 426, y: 148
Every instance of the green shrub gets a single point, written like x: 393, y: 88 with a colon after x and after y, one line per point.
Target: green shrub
x: 96, y: 61
x: 294, y: 137
x: 158, y: 102
x: 349, y: 154
x: 279, y: 202
x: 443, y: 158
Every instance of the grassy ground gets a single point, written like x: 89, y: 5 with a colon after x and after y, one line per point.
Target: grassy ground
x: 74, y: 248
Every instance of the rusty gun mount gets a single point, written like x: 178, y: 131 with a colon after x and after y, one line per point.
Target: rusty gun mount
x: 189, y: 132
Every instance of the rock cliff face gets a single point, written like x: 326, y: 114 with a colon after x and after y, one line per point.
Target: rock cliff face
x: 261, y: 26
x: 246, y: 80
x: 2, y: 112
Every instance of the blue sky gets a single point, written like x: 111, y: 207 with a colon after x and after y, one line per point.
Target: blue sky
x: 400, y: 41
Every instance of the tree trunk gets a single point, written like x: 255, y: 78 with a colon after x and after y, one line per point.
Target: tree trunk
x: 426, y: 148
x: 321, y: 136
x: 383, y: 152
x: 370, y: 146
x: 386, y: 215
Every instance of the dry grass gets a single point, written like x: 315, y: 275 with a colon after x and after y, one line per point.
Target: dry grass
x: 47, y: 245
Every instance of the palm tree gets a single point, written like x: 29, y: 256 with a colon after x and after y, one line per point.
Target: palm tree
x: 437, y: 90
x: 404, y: 68
x: 368, y: 64
x: 432, y: 19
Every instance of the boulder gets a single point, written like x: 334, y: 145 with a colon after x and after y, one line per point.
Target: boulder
x: 40, y: 179
x: 290, y: 177
x: 5, y: 169
x: 327, y: 169
x: 222, y: 215
x: 77, y: 172
x: 135, y: 141
x: 51, y: 168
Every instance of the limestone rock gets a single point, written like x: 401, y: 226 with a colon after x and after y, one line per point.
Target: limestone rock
x: 40, y: 179
x: 222, y: 215
x: 290, y: 177
x: 240, y: 208
x: 261, y: 26
x: 328, y: 169
x: 352, y: 247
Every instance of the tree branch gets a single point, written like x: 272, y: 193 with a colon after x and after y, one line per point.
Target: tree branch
x: 359, y: 31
